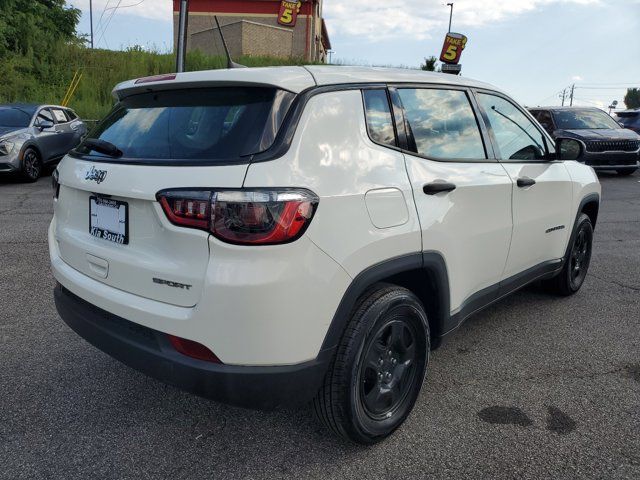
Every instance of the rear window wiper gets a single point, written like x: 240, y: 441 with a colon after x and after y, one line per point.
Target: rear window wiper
x: 102, y: 146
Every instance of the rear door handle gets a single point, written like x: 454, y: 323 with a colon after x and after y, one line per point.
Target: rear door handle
x: 525, y: 182
x: 437, y: 187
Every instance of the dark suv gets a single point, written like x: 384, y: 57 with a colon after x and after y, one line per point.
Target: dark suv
x: 630, y: 119
x: 608, y: 146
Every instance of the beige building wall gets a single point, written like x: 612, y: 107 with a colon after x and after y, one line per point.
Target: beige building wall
x: 299, y: 39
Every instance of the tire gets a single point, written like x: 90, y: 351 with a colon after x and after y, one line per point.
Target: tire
x: 626, y: 171
x: 375, y: 378
x: 576, y: 264
x: 31, y: 165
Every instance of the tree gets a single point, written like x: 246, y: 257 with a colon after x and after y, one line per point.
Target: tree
x: 632, y: 98
x: 32, y: 27
x: 430, y: 64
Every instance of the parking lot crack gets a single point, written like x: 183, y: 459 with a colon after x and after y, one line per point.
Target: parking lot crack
x: 620, y: 284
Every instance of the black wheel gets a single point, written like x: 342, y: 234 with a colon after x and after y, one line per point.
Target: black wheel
x: 626, y: 171
x: 31, y: 165
x: 376, y: 376
x: 576, y: 264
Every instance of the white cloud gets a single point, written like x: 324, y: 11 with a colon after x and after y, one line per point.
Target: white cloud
x: 577, y: 78
x: 152, y: 9
x: 380, y: 19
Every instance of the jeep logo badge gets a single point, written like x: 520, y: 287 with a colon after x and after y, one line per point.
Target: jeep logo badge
x: 96, y: 175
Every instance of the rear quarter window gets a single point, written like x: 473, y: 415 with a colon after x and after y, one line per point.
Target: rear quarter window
x: 197, y: 125
x: 378, y: 116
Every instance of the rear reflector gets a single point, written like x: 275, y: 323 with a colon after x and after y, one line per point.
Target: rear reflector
x: 243, y: 217
x: 193, y: 349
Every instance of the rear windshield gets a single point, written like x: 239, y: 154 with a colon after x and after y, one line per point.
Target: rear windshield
x: 577, y: 119
x: 195, y: 126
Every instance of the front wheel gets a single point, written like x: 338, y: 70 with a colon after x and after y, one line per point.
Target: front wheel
x: 31, y: 168
x: 376, y: 376
x: 576, y: 264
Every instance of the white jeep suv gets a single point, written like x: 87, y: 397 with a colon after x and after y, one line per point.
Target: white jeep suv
x: 269, y: 237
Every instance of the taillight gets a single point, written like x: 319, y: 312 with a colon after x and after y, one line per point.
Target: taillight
x: 243, y: 217
x: 193, y: 349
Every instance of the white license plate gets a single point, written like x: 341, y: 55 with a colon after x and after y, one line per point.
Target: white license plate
x: 108, y: 220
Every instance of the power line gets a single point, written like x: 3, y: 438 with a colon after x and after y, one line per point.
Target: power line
x: 104, y: 30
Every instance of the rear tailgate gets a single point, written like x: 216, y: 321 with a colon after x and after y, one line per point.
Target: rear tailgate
x: 161, y: 261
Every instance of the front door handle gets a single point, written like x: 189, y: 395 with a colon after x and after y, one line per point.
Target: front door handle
x: 437, y: 187
x: 525, y: 182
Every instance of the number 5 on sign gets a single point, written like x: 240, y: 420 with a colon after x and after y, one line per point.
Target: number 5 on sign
x: 454, y: 43
x: 288, y: 13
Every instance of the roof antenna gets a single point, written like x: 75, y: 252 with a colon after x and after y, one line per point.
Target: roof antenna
x: 230, y: 63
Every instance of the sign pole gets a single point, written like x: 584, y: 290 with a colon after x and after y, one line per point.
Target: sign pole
x: 450, y: 16
x: 183, y: 22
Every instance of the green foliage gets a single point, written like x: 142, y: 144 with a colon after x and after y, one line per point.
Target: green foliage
x: 430, y: 64
x: 40, y: 53
x: 632, y: 98
x: 31, y: 27
x: 47, y: 82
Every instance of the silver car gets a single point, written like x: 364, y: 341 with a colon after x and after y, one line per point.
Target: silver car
x: 35, y: 137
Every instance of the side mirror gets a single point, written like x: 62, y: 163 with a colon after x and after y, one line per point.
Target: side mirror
x: 569, y: 148
x: 41, y: 124
x: 622, y: 124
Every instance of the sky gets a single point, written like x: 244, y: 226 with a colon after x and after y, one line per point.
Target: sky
x: 532, y: 49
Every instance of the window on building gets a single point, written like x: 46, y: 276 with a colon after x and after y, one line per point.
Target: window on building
x: 443, y: 123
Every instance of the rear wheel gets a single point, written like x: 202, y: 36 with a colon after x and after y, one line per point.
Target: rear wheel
x: 626, y: 171
x: 31, y: 168
x: 576, y: 264
x: 376, y: 376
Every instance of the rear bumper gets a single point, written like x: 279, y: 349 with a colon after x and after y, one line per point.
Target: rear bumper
x: 149, y: 351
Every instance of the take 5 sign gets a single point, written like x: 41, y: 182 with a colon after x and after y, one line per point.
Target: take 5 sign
x: 288, y: 13
x: 454, y: 43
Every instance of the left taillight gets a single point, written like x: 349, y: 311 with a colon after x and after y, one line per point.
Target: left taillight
x: 242, y: 217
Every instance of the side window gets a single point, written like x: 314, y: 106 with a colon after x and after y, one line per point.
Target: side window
x: 71, y: 114
x: 544, y: 117
x: 443, y: 123
x: 59, y: 115
x: 44, y: 114
x: 378, y: 115
x: 516, y: 135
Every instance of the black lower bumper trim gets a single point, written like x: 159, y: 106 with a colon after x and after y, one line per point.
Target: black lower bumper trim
x: 149, y: 351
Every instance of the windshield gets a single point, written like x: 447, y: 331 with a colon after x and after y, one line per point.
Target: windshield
x: 577, y: 119
x: 14, y: 117
x: 215, y: 124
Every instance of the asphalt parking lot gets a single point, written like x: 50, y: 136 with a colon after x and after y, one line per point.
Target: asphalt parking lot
x: 533, y: 387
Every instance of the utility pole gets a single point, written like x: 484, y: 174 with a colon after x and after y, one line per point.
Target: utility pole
x: 571, y: 97
x: 450, y: 16
x: 564, y: 91
x: 183, y: 23
x: 91, y: 19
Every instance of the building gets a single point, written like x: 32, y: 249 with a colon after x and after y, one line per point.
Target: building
x: 257, y: 27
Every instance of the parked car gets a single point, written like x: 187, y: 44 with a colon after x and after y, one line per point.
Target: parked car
x: 608, y: 146
x: 269, y: 237
x: 35, y: 137
x: 629, y: 119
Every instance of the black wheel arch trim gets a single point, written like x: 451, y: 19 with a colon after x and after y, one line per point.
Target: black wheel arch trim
x: 431, y: 263
x: 587, y: 199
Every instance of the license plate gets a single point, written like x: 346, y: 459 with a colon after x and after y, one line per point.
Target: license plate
x: 108, y: 220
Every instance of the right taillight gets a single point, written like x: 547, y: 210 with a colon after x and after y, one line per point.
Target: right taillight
x: 243, y: 217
